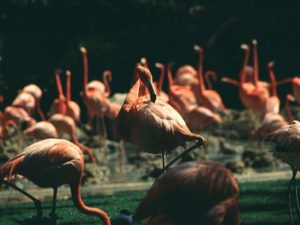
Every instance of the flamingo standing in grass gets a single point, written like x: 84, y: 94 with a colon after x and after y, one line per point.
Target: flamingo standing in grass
x: 197, y: 192
x: 208, y: 98
x: 51, y: 163
x: 154, y: 126
x: 72, y: 108
x: 285, y: 142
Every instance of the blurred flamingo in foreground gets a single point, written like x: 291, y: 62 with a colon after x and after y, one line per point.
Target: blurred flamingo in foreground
x: 154, y: 126
x: 51, y: 163
x: 286, y: 142
x: 198, y: 192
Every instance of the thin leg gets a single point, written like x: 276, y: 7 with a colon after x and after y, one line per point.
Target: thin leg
x: 54, y: 200
x: 296, y: 192
x: 182, y: 154
x: 104, y: 131
x: 289, y: 198
x: 37, y: 203
x: 163, y: 156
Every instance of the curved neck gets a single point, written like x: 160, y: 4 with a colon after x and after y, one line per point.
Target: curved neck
x: 161, y: 78
x: 68, y: 86
x: 107, y: 76
x: 79, y: 204
x: 170, y: 76
x: 273, y: 80
x: 243, y: 70
x: 210, y: 74
x: 255, y: 64
x: 200, y: 71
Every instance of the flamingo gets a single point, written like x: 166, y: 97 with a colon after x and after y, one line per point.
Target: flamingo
x: 251, y: 96
x: 200, y: 116
x: 36, y: 92
x: 95, y: 100
x: 208, y: 98
x: 41, y: 130
x: 72, y: 108
x: 154, y: 126
x: 18, y: 115
x: 185, y: 76
x: 66, y: 125
x: 286, y: 142
x: 197, y: 192
x: 51, y: 163
x: 181, y: 98
x: 25, y: 101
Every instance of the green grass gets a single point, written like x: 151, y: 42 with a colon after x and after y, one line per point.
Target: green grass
x: 262, y: 203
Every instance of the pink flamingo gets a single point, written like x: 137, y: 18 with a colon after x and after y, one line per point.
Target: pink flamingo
x: 51, y: 163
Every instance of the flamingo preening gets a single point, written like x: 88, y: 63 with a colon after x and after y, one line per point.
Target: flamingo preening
x: 51, y: 163
x: 154, y: 126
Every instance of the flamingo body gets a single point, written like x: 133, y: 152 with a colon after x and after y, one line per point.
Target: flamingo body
x: 198, y: 192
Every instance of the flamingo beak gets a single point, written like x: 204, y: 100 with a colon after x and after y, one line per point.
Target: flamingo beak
x: 149, y: 85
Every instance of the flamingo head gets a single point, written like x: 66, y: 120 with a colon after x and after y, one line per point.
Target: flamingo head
x: 83, y: 50
x: 146, y: 77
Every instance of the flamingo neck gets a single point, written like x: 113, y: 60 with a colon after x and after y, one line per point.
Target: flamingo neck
x: 84, y: 148
x: 170, y: 76
x: 106, y: 76
x: 244, y: 66
x: 273, y: 81
x: 200, y: 73
x: 161, y: 79
x: 85, y: 70
x: 60, y: 94
x: 79, y: 204
x: 255, y: 65
x: 68, y: 88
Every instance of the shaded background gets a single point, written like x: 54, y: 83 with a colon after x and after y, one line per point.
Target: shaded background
x: 38, y: 36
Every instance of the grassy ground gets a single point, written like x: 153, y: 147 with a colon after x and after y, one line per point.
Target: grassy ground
x: 262, y: 203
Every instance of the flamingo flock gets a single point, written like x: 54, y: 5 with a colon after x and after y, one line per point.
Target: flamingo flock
x: 157, y: 121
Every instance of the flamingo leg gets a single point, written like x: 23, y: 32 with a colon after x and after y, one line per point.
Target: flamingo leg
x: 37, y: 203
x: 164, y: 161
x: 296, y: 192
x: 103, y: 129
x: 197, y: 145
x: 54, y: 202
x: 289, y: 198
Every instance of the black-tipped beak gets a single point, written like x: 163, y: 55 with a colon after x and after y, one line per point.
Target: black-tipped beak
x: 153, y: 98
